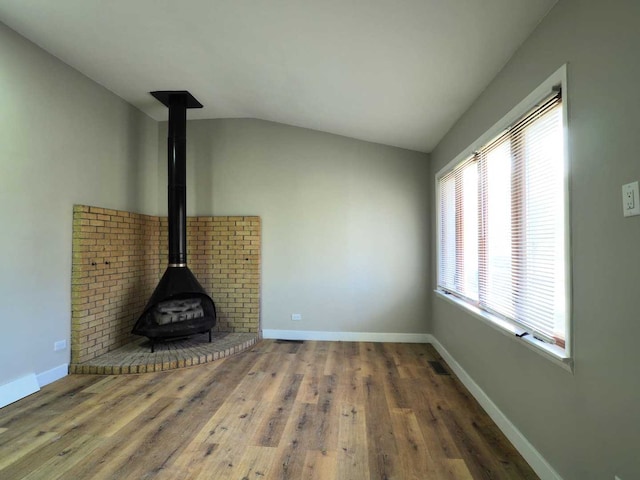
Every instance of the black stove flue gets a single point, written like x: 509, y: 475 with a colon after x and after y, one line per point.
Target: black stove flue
x: 179, y: 305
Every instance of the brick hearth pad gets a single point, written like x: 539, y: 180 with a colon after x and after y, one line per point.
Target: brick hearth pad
x: 136, y: 357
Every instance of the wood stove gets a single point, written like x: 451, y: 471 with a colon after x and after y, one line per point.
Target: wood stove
x: 179, y: 306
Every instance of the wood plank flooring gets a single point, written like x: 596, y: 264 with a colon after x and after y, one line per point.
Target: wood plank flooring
x: 281, y: 410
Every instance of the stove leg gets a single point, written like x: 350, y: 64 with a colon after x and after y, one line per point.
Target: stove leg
x: 153, y: 345
x: 209, y: 336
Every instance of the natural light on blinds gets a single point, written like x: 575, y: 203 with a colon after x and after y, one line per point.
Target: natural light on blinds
x: 501, y: 220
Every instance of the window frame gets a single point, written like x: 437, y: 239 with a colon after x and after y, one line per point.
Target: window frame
x: 561, y: 356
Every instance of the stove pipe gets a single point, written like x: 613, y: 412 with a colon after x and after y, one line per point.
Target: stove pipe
x: 179, y: 306
x: 177, y: 102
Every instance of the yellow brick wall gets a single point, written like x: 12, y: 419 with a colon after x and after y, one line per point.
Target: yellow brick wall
x: 118, y: 258
x: 115, y: 267
x: 224, y: 255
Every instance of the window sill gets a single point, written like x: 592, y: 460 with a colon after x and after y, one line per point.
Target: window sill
x: 551, y: 352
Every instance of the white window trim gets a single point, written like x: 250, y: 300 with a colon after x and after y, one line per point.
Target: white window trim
x: 559, y: 356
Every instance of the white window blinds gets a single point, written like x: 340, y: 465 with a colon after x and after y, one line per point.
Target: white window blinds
x: 502, y: 219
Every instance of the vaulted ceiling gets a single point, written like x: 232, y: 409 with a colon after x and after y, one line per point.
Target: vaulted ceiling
x: 396, y: 72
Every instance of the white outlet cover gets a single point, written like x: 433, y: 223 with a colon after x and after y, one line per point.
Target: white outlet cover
x: 630, y: 199
x: 296, y: 316
x: 59, y: 345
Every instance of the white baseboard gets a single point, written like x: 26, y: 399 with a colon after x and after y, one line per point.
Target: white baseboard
x: 347, y: 336
x: 17, y: 389
x: 50, y: 376
x: 537, y: 462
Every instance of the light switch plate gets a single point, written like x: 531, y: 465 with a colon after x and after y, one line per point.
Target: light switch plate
x: 630, y: 199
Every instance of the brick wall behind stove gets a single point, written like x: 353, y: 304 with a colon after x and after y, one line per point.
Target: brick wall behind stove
x: 118, y: 258
x: 224, y: 255
x: 116, y: 265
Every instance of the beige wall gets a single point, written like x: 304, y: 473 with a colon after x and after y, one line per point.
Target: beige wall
x: 345, y: 222
x: 587, y: 425
x: 63, y: 140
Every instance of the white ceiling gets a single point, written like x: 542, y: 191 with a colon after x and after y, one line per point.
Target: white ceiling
x: 397, y: 72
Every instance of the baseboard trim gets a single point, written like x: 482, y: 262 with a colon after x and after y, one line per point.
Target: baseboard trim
x: 50, y: 376
x: 17, y: 389
x: 347, y: 336
x: 537, y: 462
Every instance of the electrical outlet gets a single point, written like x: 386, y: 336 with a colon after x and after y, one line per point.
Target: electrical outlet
x: 296, y: 316
x: 630, y: 199
x: 59, y: 345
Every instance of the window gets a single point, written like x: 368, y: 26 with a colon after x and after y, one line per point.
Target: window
x: 502, y: 225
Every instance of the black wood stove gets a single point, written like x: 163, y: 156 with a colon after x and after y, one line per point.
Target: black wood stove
x: 179, y: 306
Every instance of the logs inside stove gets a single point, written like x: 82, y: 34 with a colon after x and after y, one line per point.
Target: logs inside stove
x: 179, y: 306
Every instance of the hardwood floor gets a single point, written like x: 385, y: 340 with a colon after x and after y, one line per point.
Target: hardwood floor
x: 312, y: 410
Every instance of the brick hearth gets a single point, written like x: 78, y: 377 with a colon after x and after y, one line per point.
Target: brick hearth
x: 135, y: 357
